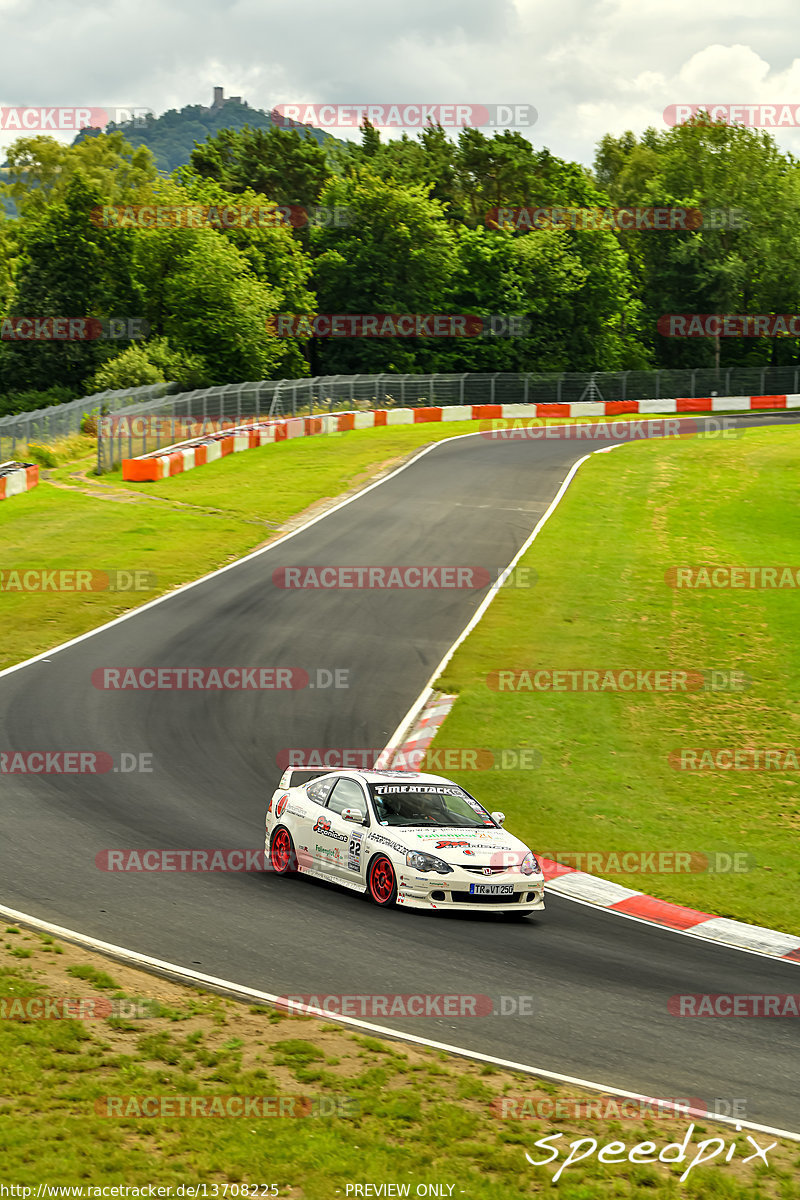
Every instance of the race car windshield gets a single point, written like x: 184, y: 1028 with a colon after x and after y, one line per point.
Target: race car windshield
x: 427, y: 805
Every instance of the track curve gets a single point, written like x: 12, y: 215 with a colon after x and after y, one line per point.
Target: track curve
x: 600, y: 984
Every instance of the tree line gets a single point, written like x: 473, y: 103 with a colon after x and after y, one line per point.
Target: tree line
x: 420, y: 225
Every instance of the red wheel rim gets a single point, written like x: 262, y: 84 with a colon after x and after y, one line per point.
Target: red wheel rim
x: 281, y: 851
x: 381, y: 880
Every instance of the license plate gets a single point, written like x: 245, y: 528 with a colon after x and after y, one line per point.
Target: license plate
x: 491, y: 889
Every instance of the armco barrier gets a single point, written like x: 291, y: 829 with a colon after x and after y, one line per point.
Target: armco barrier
x: 174, y: 460
x: 17, y: 477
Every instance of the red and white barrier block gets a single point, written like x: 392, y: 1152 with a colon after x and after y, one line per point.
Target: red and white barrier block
x: 174, y: 460
x: 17, y: 477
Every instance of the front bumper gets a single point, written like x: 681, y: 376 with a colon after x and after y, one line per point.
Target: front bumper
x: 452, y: 892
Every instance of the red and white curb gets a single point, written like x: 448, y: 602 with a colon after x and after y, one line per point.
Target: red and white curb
x: 408, y: 754
x: 16, y: 478
x: 196, y: 452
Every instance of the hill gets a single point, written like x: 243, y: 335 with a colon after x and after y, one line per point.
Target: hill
x: 172, y: 136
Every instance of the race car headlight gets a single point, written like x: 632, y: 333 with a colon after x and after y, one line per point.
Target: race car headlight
x: 427, y: 862
x: 529, y: 864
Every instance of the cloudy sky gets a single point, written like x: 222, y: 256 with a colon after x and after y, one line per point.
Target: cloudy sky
x: 588, y: 66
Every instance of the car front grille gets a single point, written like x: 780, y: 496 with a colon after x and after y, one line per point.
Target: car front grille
x: 490, y: 869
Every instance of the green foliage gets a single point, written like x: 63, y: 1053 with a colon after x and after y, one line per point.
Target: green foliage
x: 274, y: 162
x: 421, y: 239
x: 748, y: 263
x: 41, y: 455
x: 132, y: 368
x: 28, y: 401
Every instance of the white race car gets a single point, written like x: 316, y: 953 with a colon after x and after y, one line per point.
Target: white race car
x: 404, y: 838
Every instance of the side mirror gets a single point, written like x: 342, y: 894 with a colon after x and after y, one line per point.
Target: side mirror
x: 498, y: 817
x: 352, y: 814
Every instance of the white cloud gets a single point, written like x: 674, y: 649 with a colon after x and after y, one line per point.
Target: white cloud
x: 588, y: 67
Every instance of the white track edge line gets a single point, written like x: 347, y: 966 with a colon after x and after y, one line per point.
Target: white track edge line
x: 427, y: 691
x: 157, y: 966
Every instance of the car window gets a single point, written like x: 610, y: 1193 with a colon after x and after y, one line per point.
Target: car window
x: 348, y: 793
x: 424, y: 804
x: 319, y: 789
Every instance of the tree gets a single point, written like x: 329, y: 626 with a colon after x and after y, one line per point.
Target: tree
x: 397, y: 255
x: 747, y: 261
x: 277, y: 163
x: 41, y: 169
x: 68, y: 267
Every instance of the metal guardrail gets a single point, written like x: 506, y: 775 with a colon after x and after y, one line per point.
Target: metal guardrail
x: 149, y: 426
x: 169, y: 416
x: 46, y: 425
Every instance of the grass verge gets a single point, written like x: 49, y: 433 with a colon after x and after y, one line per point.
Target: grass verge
x: 401, y: 1114
x: 601, y: 601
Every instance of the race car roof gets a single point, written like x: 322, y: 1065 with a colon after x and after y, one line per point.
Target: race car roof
x: 369, y: 775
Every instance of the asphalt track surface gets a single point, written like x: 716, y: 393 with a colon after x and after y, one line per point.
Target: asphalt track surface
x: 599, y: 984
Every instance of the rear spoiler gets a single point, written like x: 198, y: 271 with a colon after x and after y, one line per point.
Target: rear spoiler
x: 288, y: 780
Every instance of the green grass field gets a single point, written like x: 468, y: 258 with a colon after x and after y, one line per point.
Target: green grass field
x: 400, y: 1114
x: 601, y: 601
